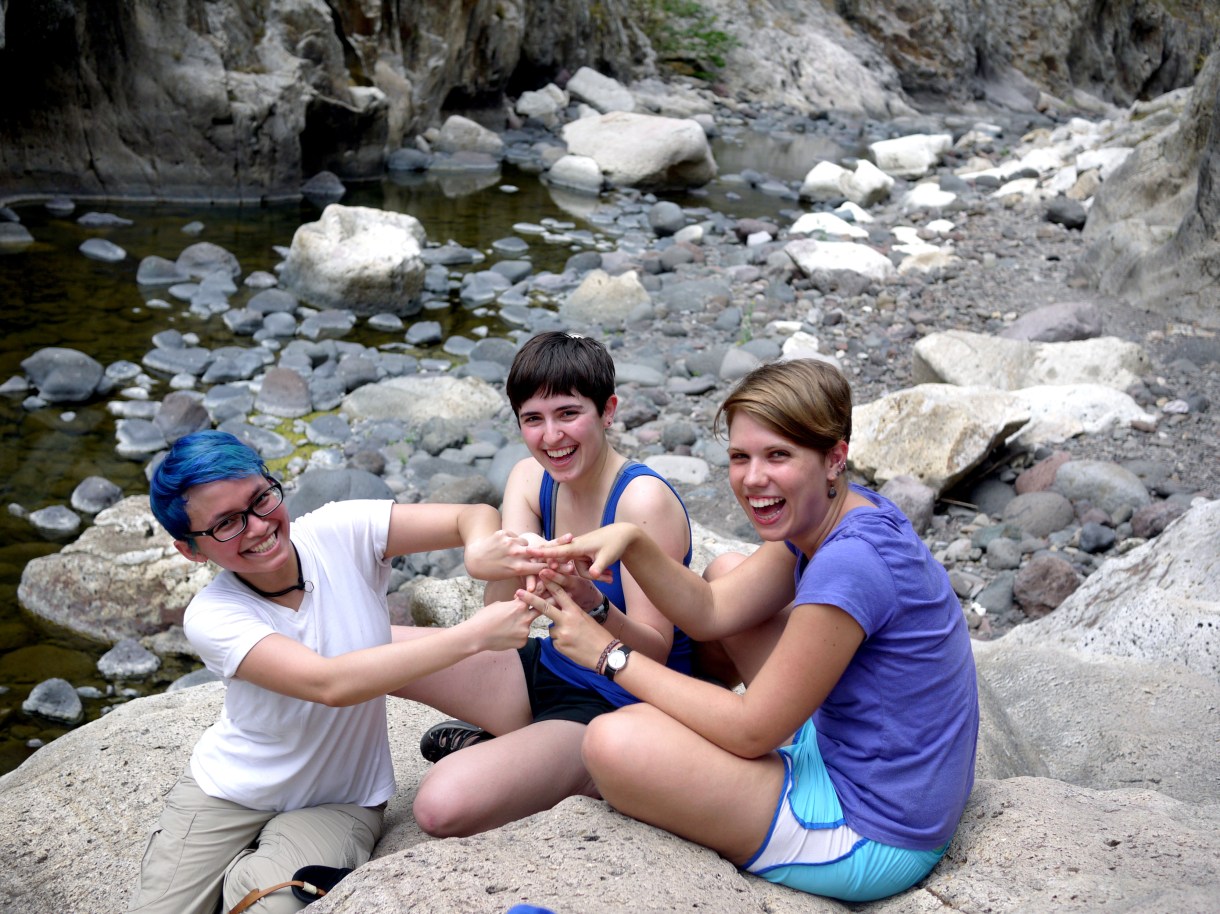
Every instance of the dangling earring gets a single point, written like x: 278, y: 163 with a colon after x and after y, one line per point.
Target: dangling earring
x: 832, y: 491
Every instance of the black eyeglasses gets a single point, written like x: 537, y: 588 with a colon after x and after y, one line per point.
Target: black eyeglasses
x: 232, y: 526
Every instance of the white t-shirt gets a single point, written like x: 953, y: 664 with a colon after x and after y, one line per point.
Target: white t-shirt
x: 271, y: 752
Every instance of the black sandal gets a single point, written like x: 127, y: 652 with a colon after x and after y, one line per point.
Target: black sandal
x: 448, y: 737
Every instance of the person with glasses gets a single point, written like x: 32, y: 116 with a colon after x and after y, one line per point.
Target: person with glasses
x: 297, y: 770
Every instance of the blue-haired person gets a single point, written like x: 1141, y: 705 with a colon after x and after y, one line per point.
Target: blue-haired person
x: 297, y: 770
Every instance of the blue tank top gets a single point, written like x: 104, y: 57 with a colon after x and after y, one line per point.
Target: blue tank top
x: 679, y: 655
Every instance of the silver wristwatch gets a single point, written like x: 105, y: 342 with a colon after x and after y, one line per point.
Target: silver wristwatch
x: 601, y: 612
x: 615, y: 661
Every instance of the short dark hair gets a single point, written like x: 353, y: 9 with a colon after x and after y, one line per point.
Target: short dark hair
x: 556, y: 362
x: 193, y: 460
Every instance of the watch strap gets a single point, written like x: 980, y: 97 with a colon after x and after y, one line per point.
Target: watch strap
x: 610, y: 671
x: 601, y: 661
x: 601, y: 612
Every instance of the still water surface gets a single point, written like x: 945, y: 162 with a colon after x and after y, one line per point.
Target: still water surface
x: 51, y: 295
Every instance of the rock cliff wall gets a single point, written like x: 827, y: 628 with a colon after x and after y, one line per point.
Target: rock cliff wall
x: 1116, y: 50
x: 194, y: 99
x: 246, y: 98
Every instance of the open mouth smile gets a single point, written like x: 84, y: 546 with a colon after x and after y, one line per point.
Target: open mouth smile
x: 766, y: 509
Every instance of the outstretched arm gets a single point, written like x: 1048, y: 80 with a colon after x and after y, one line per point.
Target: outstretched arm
x: 758, y: 588
x: 279, y: 664
x: 817, y: 645
x: 424, y: 527
x: 490, y: 553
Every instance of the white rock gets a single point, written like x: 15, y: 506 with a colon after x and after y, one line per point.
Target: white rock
x: 910, y: 156
x: 602, y: 92
x: 1022, y: 187
x: 1105, y: 160
x: 641, y: 150
x: 367, y: 260
x: 1062, y: 411
x: 839, y: 256
x: 927, y: 196
x: 579, y: 173
x: 827, y: 224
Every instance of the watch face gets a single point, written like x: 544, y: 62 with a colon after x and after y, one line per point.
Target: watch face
x: 617, y: 659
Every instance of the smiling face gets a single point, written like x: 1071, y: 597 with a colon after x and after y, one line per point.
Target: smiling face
x: 782, y: 486
x: 565, y: 433
x: 261, y: 551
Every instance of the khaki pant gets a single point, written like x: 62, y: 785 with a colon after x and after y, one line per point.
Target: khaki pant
x: 204, y: 849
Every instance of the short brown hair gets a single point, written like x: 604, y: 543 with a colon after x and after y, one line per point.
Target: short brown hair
x: 808, y: 401
x: 556, y: 362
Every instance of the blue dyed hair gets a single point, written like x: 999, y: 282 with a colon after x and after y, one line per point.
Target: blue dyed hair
x: 193, y: 460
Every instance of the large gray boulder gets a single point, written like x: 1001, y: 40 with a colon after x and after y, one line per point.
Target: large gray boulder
x: 643, y: 150
x: 965, y: 358
x: 1154, y: 227
x: 364, y: 260
x: 76, y: 815
x: 936, y: 433
x: 805, y: 56
x: 415, y: 399
x: 1089, y: 767
x: 63, y: 375
x: 122, y: 578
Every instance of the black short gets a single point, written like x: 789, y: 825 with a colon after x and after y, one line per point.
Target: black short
x: 553, y: 698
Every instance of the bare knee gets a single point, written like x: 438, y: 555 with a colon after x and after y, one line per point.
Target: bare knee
x: 722, y: 565
x: 441, y: 807
x: 611, y: 743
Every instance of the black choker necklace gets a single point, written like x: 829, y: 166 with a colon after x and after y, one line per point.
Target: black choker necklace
x: 301, y: 584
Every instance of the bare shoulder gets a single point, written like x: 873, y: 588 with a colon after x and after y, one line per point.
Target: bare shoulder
x: 520, y: 506
x: 648, y: 500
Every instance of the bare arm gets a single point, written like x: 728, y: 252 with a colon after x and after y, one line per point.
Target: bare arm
x: 279, y: 664
x: 424, y: 527
x: 758, y: 588
x: 522, y: 519
x: 814, y: 650
x: 653, y: 507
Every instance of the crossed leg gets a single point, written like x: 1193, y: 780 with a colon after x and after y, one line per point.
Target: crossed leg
x: 527, y: 768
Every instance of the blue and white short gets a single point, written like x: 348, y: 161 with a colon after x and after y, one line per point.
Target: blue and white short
x: 809, y: 846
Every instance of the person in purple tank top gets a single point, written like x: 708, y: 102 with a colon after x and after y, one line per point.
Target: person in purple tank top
x: 844, y: 766
x: 536, y: 702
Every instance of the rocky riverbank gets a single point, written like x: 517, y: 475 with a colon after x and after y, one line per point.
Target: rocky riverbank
x: 1052, y: 506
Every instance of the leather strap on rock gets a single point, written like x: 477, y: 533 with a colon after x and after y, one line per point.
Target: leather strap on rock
x: 255, y: 894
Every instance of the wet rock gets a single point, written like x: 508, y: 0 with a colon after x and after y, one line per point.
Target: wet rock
x: 55, y: 522
x: 94, y: 494
x: 128, y: 660
x: 202, y: 676
x: 63, y: 375
x: 56, y: 700
x: 103, y: 250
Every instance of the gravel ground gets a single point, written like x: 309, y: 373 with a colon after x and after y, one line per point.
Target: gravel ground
x: 1013, y: 261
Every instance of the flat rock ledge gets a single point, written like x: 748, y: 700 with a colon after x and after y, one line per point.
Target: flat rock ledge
x: 74, y: 819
